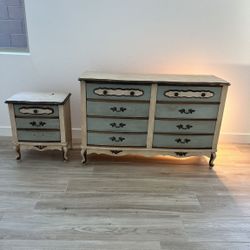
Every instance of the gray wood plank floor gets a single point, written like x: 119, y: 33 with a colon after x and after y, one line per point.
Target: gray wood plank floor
x: 124, y: 203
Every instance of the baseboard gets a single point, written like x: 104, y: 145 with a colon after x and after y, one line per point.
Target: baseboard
x: 224, y: 137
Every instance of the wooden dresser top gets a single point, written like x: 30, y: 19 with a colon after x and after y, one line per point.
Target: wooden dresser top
x: 160, y: 78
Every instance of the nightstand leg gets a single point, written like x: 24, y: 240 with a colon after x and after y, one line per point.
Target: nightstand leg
x: 18, y: 152
x: 211, y: 161
x: 65, y: 153
x: 84, y: 155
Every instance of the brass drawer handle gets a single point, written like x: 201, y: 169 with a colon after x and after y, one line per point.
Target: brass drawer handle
x: 120, y: 125
x: 35, y: 124
x: 181, y: 126
x: 184, y: 141
x: 184, y: 111
x: 115, y: 109
x: 119, y: 139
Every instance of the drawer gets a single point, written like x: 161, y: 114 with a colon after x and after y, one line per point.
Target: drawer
x: 117, y: 125
x: 184, y: 126
x: 38, y: 136
x: 188, y: 93
x: 117, y: 109
x: 194, y: 111
x: 118, y: 91
x: 117, y: 139
x: 182, y: 141
x: 26, y: 110
x: 38, y: 123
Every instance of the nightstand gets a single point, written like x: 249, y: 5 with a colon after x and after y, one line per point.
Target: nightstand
x: 40, y: 121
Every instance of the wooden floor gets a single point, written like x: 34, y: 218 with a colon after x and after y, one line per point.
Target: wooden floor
x: 131, y: 203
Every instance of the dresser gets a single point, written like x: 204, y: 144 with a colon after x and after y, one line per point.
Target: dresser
x: 40, y: 121
x: 177, y: 115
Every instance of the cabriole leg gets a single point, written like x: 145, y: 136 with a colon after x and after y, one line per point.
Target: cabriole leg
x: 84, y: 155
x: 65, y: 153
x: 18, y: 152
x: 211, y: 161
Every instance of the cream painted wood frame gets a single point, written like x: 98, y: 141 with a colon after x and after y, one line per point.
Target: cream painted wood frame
x: 154, y: 80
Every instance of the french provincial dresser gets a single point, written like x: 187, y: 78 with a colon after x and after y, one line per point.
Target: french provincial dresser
x: 177, y: 115
x: 40, y: 121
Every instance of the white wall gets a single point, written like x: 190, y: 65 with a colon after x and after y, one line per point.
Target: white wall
x: 145, y: 36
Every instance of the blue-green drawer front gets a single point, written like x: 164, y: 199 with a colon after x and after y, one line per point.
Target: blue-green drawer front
x: 38, y: 136
x: 38, y: 123
x: 193, y: 111
x: 117, y: 125
x: 25, y: 110
x: 196, y: 94
x: 117, y: 109
x: 184, y: 126
x: 118, y: 91
x: 117, y: 139
x: 182, y: 141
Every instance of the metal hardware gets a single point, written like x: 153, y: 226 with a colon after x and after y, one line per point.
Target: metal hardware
x: 40, y: 124
x: 181, y: 153
x: 120, y: 125
x: 184, y: 111
x: 180, y: 126
x: 119, y: 139
x: 116, y: 109
x: 184, y: 141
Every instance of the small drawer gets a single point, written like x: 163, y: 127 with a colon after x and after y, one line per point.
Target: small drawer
x: 38, y: 136
x: 26, y: 110
x: 118, y: 91
x: 184, y: 126
x: 182, y: 141
x: 117, y: 125
x: 38, y: 123
x: 192, y: 111
x: 117, y: 109
x: 188, y: 93
x: 117, y: 139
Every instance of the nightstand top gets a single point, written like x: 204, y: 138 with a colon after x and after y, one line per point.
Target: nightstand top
x: 39, y: 97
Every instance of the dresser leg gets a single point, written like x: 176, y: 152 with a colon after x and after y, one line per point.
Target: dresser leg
x: 18, y: 152
x: 65, y: 153
x: 211, y: 161
x: 84, y: 155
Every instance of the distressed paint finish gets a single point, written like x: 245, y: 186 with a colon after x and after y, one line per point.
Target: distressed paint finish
x: 40, y: 121
x: 183, y: 114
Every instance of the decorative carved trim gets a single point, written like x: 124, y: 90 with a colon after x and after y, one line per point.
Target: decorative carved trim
x: 189, y: 93
x: 40, y: 147
x: 116, y: 151
x: 181, y: 154
x: 118, y: 92
x: 36, y: 111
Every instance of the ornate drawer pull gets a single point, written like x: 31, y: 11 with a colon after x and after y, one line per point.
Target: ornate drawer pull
x: 35, y: 124
x: 181, y: 153
x: 120, y: 125
x: 119, y: 139
x: 184, y: 141
x: 180, y: 126
x: 36, y: 111
x: 189, y: 93
x: 184, y: 111
x: 115, y: 109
